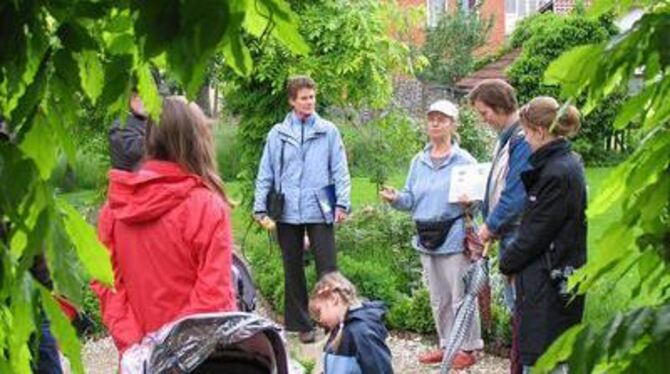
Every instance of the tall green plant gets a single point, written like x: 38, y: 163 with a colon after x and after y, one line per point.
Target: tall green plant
x: 638, y: 340
x: 56, y: 57
x: 352, y: 61
x: 450, y: 45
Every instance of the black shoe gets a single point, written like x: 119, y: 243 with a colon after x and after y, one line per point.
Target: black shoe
x: 307, y: 337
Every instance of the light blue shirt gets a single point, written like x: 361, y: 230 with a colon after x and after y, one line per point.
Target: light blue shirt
x: 426, y: 196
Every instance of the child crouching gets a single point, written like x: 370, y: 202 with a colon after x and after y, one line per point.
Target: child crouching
x: 357, y: 341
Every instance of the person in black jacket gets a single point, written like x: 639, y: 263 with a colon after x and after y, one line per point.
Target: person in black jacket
x: 357, y: 340
x: 551, y: 241
x: 126, y: 143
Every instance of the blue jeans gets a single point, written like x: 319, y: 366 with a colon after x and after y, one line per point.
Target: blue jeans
x: 48, y: 361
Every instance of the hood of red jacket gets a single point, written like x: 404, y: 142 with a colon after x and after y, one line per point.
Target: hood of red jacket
x: 150, y: 192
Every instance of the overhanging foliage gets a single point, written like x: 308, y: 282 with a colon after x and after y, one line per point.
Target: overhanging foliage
x: 56, y: 57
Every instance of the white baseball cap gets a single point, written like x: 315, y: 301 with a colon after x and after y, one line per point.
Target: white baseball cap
x: 445, y: 107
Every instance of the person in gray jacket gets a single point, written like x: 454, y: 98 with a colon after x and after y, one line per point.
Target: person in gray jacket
x: 440, y: 228
x: 305, y: 160
x: 126, y: 143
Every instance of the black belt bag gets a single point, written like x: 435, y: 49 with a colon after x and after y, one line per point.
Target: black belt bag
x: 432, y: 234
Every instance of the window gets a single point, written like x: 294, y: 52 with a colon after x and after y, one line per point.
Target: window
x: 435, y: 9
x: 515, y: 10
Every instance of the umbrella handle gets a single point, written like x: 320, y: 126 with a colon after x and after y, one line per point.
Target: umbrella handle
x: 487, y: 245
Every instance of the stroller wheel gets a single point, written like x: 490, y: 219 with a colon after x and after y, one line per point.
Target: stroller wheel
x: 230, y: 365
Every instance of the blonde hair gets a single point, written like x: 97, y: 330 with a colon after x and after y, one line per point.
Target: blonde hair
x: 544, y: 111
x: 184, y: 135
x: 333, y: 284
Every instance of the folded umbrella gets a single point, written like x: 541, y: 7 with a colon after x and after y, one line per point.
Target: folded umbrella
x: 476, y: 280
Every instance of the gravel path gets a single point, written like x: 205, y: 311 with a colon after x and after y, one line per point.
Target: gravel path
x: 100, y: 356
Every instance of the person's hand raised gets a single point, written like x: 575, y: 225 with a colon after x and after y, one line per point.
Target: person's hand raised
x: 388, y: 194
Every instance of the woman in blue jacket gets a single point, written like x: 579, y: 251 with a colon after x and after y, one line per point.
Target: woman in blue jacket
x: 440, y: 228
x: 303, y: 157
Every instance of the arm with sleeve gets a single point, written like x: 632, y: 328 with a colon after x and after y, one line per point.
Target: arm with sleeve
x: 372, y: 353
x: 513, y: 196
x: 340, y: 172
x: 213, y: 290
x: 265, y: 178
x: 115, y: 309
x: 405, y: 200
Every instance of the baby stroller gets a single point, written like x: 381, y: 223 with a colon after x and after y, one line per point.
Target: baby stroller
x: 228, y: 343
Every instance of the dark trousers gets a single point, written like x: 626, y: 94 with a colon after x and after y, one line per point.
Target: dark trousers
x: 291, y: 239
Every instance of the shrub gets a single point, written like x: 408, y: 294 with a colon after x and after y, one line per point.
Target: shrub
x: 450, y: 45
x: 545, y: 37
x: 382, y: 145
x: 413, y: 313
x: 475, y: 137
x: 91, y: 309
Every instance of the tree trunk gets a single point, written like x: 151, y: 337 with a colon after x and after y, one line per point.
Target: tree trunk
x: 204, y: 99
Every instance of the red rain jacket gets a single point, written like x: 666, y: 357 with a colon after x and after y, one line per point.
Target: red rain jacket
x: 171, y: 245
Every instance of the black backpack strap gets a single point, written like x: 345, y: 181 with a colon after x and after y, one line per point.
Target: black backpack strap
x: 281, y: 162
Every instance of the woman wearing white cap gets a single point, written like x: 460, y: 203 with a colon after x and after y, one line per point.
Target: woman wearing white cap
x: 440, y: 227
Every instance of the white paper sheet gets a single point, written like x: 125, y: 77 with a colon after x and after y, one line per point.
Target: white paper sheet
x: 470, y: 181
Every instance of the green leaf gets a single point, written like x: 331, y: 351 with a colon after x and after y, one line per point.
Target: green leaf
x: 122, y: 44
x: 202, y: 30
x: 93, y: 255
x: 75, y: 37
x: 157, y: 24
x: 22, y: 325
x: 116, y: 92
x: 40, y: 145
x: 286, y: 29
x: 66, y: 270
x: 17, y: 174
x: 236, y: 53
x: 90, y: 73
x: 570, y: 70
x: 33, y: 95
x: 148, y: 91
x: 63, y: 116
x: 635, y: 106
x: 60, y: 326
x: 559, y: 351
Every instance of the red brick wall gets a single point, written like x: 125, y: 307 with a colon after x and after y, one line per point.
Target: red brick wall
x: 411, y: 3
x: 417, y: 35
x: 495, y: 8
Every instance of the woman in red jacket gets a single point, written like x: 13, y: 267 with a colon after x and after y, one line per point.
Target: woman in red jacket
x: 167, y: 227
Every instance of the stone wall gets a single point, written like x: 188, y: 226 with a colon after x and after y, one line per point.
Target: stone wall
x: 415, y: 96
